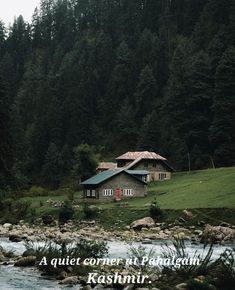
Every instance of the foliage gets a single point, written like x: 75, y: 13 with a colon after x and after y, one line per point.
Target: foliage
x: 154, y: 210
x: 86, y: 161
x: 89, y: 211
x: 160, y: 77
x: 37, y: 191
x: 179, y: 251
x: 82, y: 249
x: 66, y: 212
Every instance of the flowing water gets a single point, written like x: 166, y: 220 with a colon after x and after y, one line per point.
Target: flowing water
x: 12, y: 278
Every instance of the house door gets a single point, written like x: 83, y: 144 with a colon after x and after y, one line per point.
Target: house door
x: 118, y: 194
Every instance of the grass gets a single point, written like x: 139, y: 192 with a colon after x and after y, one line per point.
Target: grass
x: 210, y: 194
x: 212, y: 188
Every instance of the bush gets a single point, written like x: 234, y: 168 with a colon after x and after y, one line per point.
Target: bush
x: 89, y: 212
x: 82, y: 249
x: 21, y: 208
x: 37, y: 191
x: 66, y: 212
x: 155, y: 210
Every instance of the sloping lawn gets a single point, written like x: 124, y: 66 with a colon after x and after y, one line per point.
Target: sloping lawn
x: 212, y: 188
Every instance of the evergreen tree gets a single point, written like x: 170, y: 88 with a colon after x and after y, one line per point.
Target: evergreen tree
x: 146, y: 93
x: 52, y: 167
x: 223, y: 126
x: 6, y: 142
x: 86, y: 161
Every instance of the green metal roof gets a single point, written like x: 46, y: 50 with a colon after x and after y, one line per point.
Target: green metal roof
x: 101, y: 177
x: 138, y: 172
x: 97, y: 179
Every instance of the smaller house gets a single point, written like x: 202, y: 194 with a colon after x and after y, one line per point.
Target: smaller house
x: 116, y: 184
x: 105, y: 166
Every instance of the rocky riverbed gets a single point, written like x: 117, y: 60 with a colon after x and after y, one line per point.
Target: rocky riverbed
x: 141, y: 232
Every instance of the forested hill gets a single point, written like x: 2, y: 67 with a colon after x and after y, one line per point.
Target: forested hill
x: 119, y: 75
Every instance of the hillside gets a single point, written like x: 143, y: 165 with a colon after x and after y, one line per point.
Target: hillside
x: 119, y: 76
x: 212, y: 188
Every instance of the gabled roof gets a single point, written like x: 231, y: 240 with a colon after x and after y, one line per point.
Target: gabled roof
x: 138, y: 172
x: 105, y: 175
x: 141, y: 155
x: 107, y: 165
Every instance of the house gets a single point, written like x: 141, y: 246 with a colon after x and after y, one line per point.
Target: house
x: 158, y: 166
x: 116, y: 184
x: 105, y: 166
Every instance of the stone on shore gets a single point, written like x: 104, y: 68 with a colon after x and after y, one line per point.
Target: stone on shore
x: 213, y: 234
x: 146, y: 222
x: 72, y: 280
x: 26, y: 261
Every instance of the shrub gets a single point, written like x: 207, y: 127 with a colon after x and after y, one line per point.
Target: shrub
x: 66, y: 212
x: 179, y: 251
x: 155, y: 210
x: 89, y: 212
x: 37, y: 191
x: 82, y: 249
x: 21, y: 208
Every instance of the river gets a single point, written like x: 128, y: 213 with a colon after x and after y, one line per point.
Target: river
x: 12, y: 278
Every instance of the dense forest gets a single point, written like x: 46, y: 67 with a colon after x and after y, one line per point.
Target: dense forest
x: 118, y: 75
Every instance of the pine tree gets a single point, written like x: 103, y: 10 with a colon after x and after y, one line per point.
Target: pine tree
x: 223, y: 127
x: 146, y: 93
x: 86, y: 161
x: 6, y: 142
x: 53, y: 166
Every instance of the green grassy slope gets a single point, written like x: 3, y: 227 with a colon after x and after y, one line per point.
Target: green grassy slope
x: 212, y: 188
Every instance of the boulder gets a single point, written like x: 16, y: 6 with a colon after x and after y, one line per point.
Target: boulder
x: 7, y: 226
x: 62, y: 275
x: 188, y: 214
x: 146, y: 222
x: 213, y: 234
x: 47, y: 219
x: 72, y: 280
x: 86, y: 287
x: 181, y: 286
x: 26, y: 261
x: 14, y: 238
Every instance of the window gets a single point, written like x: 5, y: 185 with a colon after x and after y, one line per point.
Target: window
x: 108, y: 192
x: 162, y: 176
x: 90, y: 193
x: 128, y: 192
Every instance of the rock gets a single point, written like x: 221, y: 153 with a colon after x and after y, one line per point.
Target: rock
x: 86, y: 287
x: 26, y: 261
x: 7, y: 226
x: 73, y: 280
x: 181, y: 286
x: 47, y: 219
x: 28, y: 253
x: 62, y: 275
x: 2, y: 257
x: 146, y: 222
x: 14, y: 238
x: 129, y: 287
x: 213, y: 234
x: 182, y: 220
x: 98, y: 287
x: 224, y: 224
x: 198, y: 232
x: 188, y: 214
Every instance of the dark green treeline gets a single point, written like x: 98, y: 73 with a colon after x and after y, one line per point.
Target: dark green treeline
x: 118, y: 75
